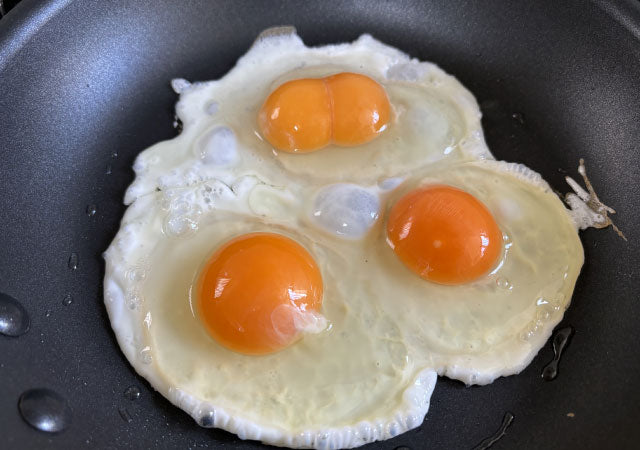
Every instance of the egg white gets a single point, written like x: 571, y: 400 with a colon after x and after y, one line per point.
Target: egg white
x: 370, y: 375
x: 436, y: 118
x: 340, y: 388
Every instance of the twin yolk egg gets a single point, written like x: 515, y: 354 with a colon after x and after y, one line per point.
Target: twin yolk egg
x: 250, y: 290
x: 304, y: 115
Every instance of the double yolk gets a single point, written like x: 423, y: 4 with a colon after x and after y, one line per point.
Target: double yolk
x: 253, y: 289
x: 304, y: 115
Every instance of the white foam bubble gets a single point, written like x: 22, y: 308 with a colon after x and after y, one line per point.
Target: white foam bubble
x: 345, y: 209
x: 218, y: 147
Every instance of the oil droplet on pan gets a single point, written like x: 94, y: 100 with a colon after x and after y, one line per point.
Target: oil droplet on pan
x: 507, y: 420
x: 560, y: 341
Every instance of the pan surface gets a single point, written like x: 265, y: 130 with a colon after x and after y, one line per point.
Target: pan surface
x: 84, y: 87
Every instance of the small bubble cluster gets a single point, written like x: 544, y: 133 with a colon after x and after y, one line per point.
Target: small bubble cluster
x: 183, y: 216
x: 136, y: 274
x: 545, y: 309
x: 133, y: 299
x: 214, y: 190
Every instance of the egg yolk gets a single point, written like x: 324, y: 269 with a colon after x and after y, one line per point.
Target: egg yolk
x: 250, y: 290
x: 304, y: 115
x: 444, y: 234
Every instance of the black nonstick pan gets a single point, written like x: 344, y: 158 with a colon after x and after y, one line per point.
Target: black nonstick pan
x: 84, y: 87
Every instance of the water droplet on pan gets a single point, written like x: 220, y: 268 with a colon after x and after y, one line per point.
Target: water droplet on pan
x: 45, y: 410
x: 67, y: 300
x: 518, y: 117
x: 132, y: 393
x: 14, y: 319
x: 91, y: 210
x: 126, y: 416
x: 74, y: 261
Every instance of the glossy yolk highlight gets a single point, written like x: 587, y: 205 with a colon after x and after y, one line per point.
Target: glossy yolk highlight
x: 304, y: 115
x: 444, y: 234
x: 252, y: 288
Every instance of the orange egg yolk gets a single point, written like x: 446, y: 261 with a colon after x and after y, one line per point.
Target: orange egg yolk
x: 250, y: 289
x: 304, y: 115
x: 444, y: 234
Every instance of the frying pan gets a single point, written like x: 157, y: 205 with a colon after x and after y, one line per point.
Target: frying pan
x: 84, y: 87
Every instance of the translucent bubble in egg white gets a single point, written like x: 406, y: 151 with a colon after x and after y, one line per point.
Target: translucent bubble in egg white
x: 429, y: 125
x: 133, y: 299
x: 508, y: 209
x: 136, y: 274
x: 345, y: 209
x: 543, y: 315
x: 145, y: 355
x: 503, y: 283
x: 217, y: 147
x: 557, y: 303
x: 207, y: 419
x: 212, y: 108
x: 390, y: 183
x: 407, y: 71
x: 180, y: 225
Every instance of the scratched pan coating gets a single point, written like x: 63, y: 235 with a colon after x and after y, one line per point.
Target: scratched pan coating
x: 84, y: 87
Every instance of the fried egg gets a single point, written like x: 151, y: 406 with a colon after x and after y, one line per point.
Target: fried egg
x: 433, y: 118
x: 306, y: 289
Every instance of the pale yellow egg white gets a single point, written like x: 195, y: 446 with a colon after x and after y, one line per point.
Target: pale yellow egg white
x: 369, y: 375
